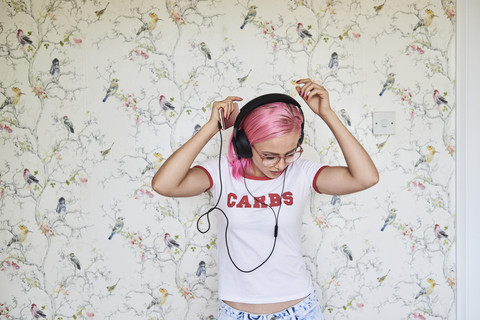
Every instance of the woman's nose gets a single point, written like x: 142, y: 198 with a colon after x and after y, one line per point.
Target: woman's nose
x: 282, y: 164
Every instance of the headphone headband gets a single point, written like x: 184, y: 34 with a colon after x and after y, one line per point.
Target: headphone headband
x: 240, y: 140
x: 262, y: 100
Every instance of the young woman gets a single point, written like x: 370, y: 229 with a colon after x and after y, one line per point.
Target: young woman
x: 262, y: 191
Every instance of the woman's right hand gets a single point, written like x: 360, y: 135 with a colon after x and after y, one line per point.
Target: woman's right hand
x: 228, y: 106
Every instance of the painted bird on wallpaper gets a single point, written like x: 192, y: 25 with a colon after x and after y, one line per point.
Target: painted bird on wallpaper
x: 112, y: 89
x: 379, y: 7
x: 205, y: 50
x: 147, y: 168
x: 382, y: 278
x: 252, y: 12
x: 99, y: 13
x: 201, y: 271
x: 302, y: 32
x: 117, y: 227
x: 169, y: 241
x: 23, y: 39
x: 74, y: 260
x: 196, y: 129
x: 241, y: 80
x: 61, y: 207
x: 160, y: 299
x: 36, y: 312
x: 30, y: 178
x: 333, y: 63
x: 346, y: 118
x: 439, y: 232
x: 113, y: 286
x: 150, y: 25
x: 165, y: 104
x: 380, y: 145
x: 428, y: 157
x: 20, y: 237
x: 55, y: 69
x: 105, y: 152
x: 392, y: 215
x: 68, y: 124
x: 431, y: 153
x: 158, y: 160
x: 439, y: 99
x: 13, y: 99
x: 428, y: 290
x: 347, y: 252
x: 335, y: 201
x: 388, y: 83
x: 426, y: 21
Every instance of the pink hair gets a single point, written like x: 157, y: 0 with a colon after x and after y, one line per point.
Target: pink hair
x: 266, y: 122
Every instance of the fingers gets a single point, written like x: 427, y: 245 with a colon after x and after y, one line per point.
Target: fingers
x: 234, y: 98
x: 313, y: 92
x: 232, y: 104
x: 304, y: 80
x: 310, y: 88
x: 227, y: 106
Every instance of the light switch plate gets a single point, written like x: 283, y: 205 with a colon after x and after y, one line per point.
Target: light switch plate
x: 384, y: 122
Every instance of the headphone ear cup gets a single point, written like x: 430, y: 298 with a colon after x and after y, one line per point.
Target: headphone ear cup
x: 242, y: 145
x: 302, y: 135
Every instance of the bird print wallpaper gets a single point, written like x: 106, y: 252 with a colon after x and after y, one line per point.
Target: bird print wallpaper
x: 95, y: 95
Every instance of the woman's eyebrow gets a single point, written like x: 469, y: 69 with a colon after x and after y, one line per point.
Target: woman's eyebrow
x: 276, y: 154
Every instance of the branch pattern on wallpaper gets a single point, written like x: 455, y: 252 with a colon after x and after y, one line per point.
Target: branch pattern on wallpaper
x: 94, y: 95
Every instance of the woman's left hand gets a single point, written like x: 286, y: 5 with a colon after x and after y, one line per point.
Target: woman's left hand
x: 315, y: 95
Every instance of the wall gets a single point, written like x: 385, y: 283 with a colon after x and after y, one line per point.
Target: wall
x: 468, y: 151
x: 104, y: 167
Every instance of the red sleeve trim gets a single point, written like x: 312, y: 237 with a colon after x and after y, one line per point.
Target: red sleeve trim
x: 316, y: 177
x: 209, y: 177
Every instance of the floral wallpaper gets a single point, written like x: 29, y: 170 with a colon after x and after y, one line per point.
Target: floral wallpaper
x: 94, y: 95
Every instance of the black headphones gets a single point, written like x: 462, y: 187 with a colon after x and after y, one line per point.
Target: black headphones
x: 240, y: 140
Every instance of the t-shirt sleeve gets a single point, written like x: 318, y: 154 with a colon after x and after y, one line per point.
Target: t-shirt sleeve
x: 210, y: 167
x: 312, y: 169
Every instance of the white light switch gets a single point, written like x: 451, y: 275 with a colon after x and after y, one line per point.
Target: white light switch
x: 384, y: 122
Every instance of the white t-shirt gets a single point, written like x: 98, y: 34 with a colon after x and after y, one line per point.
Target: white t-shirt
x: 250, y: 235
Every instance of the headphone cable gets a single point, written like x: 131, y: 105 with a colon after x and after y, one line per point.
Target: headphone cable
x: 276, y: 215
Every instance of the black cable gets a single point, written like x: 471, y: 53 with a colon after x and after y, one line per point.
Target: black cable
x: 276, y: 215
x: 221, y: 186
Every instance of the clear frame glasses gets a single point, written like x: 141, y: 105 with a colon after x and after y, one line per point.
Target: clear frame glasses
x: 272, y: 160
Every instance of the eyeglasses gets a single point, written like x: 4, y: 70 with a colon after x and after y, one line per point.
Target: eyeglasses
x: 272, y: 160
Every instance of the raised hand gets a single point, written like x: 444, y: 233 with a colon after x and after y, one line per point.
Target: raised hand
x: 315, y: 95
x: 228, y: 106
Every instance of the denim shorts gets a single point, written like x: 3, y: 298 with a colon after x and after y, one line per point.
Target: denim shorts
x: 307, y: 309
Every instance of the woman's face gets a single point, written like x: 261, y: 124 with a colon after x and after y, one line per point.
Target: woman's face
x: 277, y: 146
